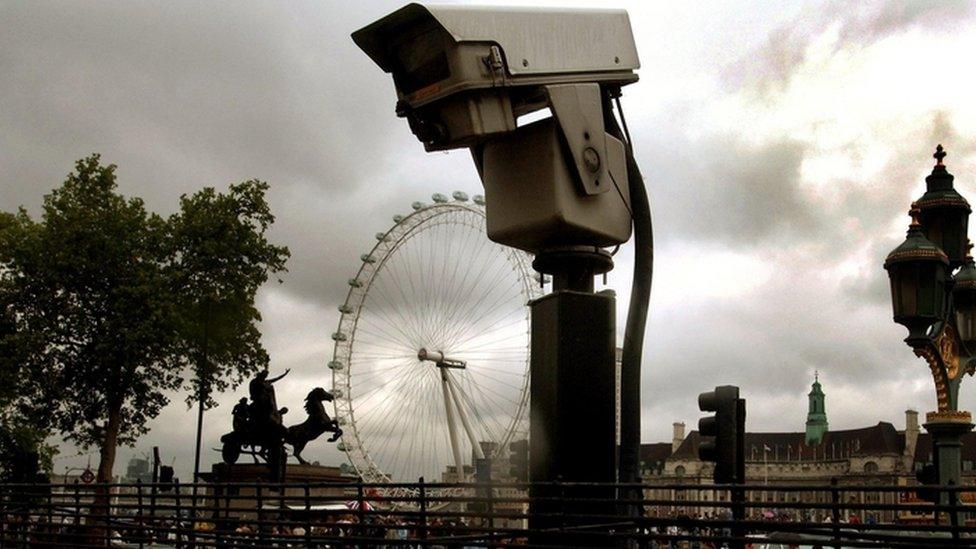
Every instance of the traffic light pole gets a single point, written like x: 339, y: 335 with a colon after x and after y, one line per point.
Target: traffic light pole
x: 573, y: 394
x: 738, y: 495
x: 724, y: 444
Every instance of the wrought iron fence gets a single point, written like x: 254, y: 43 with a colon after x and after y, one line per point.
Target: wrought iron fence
x: 483, y: 515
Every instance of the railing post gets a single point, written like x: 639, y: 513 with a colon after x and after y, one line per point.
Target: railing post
x: 152, y: 511
x: 141, y: 527
x: 491, y: 514
x: 77, y: 507
x: 835, y: 510
x: 360, y: 512
x: 308, y: 516
x: 177, y: 523
x: 423, y: 509
x: 260, y: 501
x: 954, y: 511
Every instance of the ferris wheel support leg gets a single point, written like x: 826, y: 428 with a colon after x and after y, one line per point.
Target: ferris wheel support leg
x: 452, y: 426
x: 454, y: 388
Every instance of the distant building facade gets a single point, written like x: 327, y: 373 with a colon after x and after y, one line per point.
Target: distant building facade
x: 878, y: 455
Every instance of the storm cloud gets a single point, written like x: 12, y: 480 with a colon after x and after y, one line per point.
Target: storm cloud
x: 781, y: 145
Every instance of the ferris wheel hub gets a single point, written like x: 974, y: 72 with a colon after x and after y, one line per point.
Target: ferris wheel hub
x: 439, y: 360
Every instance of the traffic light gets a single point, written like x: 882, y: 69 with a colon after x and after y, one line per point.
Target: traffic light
x: 927, y: 475
x: 724, y: 433
x: 518, y: 451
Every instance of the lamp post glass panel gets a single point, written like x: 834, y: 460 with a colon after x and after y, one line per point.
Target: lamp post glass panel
x: 933, y: 294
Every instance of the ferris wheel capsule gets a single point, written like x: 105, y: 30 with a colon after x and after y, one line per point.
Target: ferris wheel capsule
x: 367, y: 258
x: 345, y: 309
x: 438, y: 198
x: 355, y: 283
x: 460, y: 196
x: 382, y: 237
x: 339, y: 336
x: 335, y: 365
x: 417, y: 206
x: 479, y: 199
x: 342, y: 446
x: 397, y: 218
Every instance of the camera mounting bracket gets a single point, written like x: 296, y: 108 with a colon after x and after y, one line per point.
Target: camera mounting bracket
x: 578, y: 109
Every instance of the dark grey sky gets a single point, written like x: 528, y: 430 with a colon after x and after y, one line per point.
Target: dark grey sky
x: 781, y: 143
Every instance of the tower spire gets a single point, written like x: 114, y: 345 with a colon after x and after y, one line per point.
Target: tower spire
x: 817, y: 414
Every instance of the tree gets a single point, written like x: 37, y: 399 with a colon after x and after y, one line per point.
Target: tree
x: 220, y: 257
x: 94, y: 311
x: 108, y: 306
x: 23, y: 451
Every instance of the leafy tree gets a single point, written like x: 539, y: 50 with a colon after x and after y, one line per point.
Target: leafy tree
x: 105, y: 306
x: 220, y: 258
x: 94, y: 310
x: 23, y: 451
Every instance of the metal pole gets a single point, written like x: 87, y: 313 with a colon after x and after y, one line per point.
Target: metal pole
x: 423, y: 509
x: 452, y: 428
x: 454, y: 389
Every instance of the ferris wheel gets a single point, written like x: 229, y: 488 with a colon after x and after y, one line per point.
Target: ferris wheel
x: 430, y: 366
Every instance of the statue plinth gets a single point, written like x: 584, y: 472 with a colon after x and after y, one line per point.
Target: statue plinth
x: 239, y: 490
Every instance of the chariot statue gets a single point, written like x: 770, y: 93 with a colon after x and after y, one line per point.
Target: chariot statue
x: 258, y: 428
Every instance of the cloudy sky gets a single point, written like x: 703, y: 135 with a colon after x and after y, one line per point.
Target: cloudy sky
x: 781, y: 142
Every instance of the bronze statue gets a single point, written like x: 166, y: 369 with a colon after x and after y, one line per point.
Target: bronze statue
x: 257, y: 425
x: 318, y: 422
x: 264, y: 404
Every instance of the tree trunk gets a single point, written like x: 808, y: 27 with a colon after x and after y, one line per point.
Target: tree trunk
x: 107, y: 451
x: 100, y: 507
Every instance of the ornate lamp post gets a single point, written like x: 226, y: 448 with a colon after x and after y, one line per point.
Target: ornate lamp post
x: 939, y: 307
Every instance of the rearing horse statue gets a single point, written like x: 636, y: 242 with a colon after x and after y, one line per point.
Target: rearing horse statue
x: 318, y: 422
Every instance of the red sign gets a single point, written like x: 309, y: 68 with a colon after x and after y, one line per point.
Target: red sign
x: 87, y: 476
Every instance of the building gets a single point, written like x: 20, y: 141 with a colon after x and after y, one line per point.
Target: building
x: 876, y: 455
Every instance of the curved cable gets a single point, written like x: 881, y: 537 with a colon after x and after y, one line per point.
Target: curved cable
x: 630, y: 368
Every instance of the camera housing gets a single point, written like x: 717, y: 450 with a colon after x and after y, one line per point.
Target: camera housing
x: 464, y: 75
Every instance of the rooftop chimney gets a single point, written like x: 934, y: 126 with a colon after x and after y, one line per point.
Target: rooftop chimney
x: 678, y: 437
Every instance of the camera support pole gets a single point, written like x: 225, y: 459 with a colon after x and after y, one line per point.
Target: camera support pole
x: 573, y: 378
x: 573, y: 394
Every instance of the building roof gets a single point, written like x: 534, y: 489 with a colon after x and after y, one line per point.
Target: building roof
x: 656, y: 451
x: 923, y: 447
x: 878, y: 439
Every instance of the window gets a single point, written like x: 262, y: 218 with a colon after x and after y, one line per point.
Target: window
x: 679, y: 471
x: 870, y: 467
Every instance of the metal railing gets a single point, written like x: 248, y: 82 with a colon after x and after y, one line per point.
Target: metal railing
x: 481, y: 515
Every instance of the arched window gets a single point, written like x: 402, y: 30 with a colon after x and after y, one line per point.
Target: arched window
x: 870, y: 467
x: 679, y: 471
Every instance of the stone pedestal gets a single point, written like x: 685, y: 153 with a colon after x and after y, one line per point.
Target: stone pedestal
x: 243, y: 490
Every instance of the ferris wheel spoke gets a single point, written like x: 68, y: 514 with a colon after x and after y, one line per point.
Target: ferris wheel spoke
x: 475, y: 311
x: 396, y: 335
x: 398, y: 303
x: 365, y: 396
x: 456, y: 293
x: 388, y: 427
x: 459, y: 319
x: 440, y: 318
x: 491, y: 341
x: 468, y: 284
x: 478, y: 411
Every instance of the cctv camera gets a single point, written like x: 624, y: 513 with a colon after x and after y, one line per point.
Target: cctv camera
x: 464, y: 74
